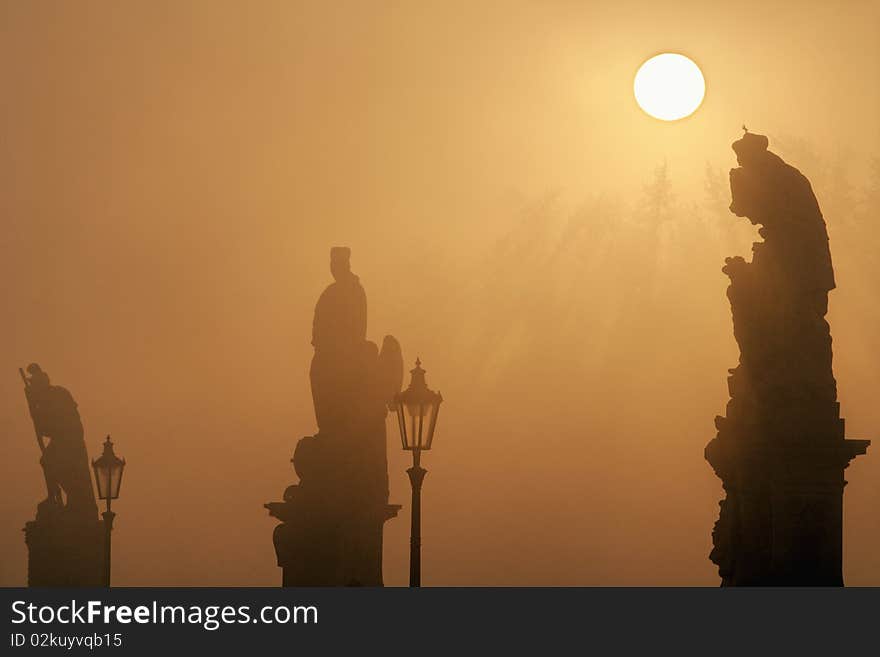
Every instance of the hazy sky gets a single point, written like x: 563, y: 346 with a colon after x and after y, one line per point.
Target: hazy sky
x: 173, y: 174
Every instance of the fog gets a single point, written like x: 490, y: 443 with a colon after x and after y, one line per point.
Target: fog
x: 173, y: 175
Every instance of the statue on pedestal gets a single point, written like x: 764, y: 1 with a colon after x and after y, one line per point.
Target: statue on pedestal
x: 65, y: 540
x: 332, y: 520
x: 780, y: 450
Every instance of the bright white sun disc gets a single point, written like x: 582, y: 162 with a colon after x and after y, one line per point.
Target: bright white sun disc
x: 669, y: 86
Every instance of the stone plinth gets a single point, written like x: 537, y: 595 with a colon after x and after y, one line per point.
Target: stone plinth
x: 64, y: 549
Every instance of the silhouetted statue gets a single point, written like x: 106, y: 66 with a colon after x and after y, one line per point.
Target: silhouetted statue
x: 64, y: 460
x: 332, y: 521
x: 780, y: 451
x: 65, y: 541
x: 339, y: 336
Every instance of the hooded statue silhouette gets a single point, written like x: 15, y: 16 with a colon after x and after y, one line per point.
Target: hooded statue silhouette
x: 780, y: 450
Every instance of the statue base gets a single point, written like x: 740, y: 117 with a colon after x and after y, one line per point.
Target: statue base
x: 64, y: 549
x: 319, y: 549
x: 781, y: 523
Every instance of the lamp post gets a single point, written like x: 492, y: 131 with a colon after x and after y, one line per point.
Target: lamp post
x: 108, y: 475
x: 417, y: 408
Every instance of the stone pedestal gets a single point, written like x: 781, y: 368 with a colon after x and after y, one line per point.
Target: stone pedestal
x: 317, y: 549
x: 781, y: 523
x: 64, y: 549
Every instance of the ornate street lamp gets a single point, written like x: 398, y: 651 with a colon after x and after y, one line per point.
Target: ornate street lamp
x: 108, y: 475
x: 417, y: 408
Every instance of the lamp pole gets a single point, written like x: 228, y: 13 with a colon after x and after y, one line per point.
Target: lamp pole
x: 416, y: 476
x: 416, y: 409
x: 108, y: 516
x: 108, y: 476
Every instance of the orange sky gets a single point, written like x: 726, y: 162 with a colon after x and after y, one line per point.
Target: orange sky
x: 172, y: 176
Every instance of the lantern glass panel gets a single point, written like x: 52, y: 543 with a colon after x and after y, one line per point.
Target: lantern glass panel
x: 401, y: 424
x: 115, y: 479
x: 414, y: 409
x: 102, y: 478
x: 416, y: 423
x: 413, y: 429
x: 432, y: 424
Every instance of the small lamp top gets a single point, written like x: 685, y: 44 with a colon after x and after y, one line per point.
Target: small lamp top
x: 108, y: 472
x: 417, y: 408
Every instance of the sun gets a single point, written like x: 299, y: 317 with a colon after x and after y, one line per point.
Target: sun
x: 669, y: 86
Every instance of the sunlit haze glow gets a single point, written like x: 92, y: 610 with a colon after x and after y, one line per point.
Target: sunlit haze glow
x: 173, y: 176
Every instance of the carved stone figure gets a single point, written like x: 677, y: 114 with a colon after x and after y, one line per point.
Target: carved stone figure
x: 780, y: 451
x: 332, y: 520
x: 65, y: 540
x: 339, y: 336
x: 64, y: 459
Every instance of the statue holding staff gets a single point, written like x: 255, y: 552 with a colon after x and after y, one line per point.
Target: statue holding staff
x: 64, y: 459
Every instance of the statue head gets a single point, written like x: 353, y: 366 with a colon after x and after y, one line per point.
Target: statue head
x: 750, y: 148
x: 340, y: 265
x: 752, y: 185
x: 39, y: 379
